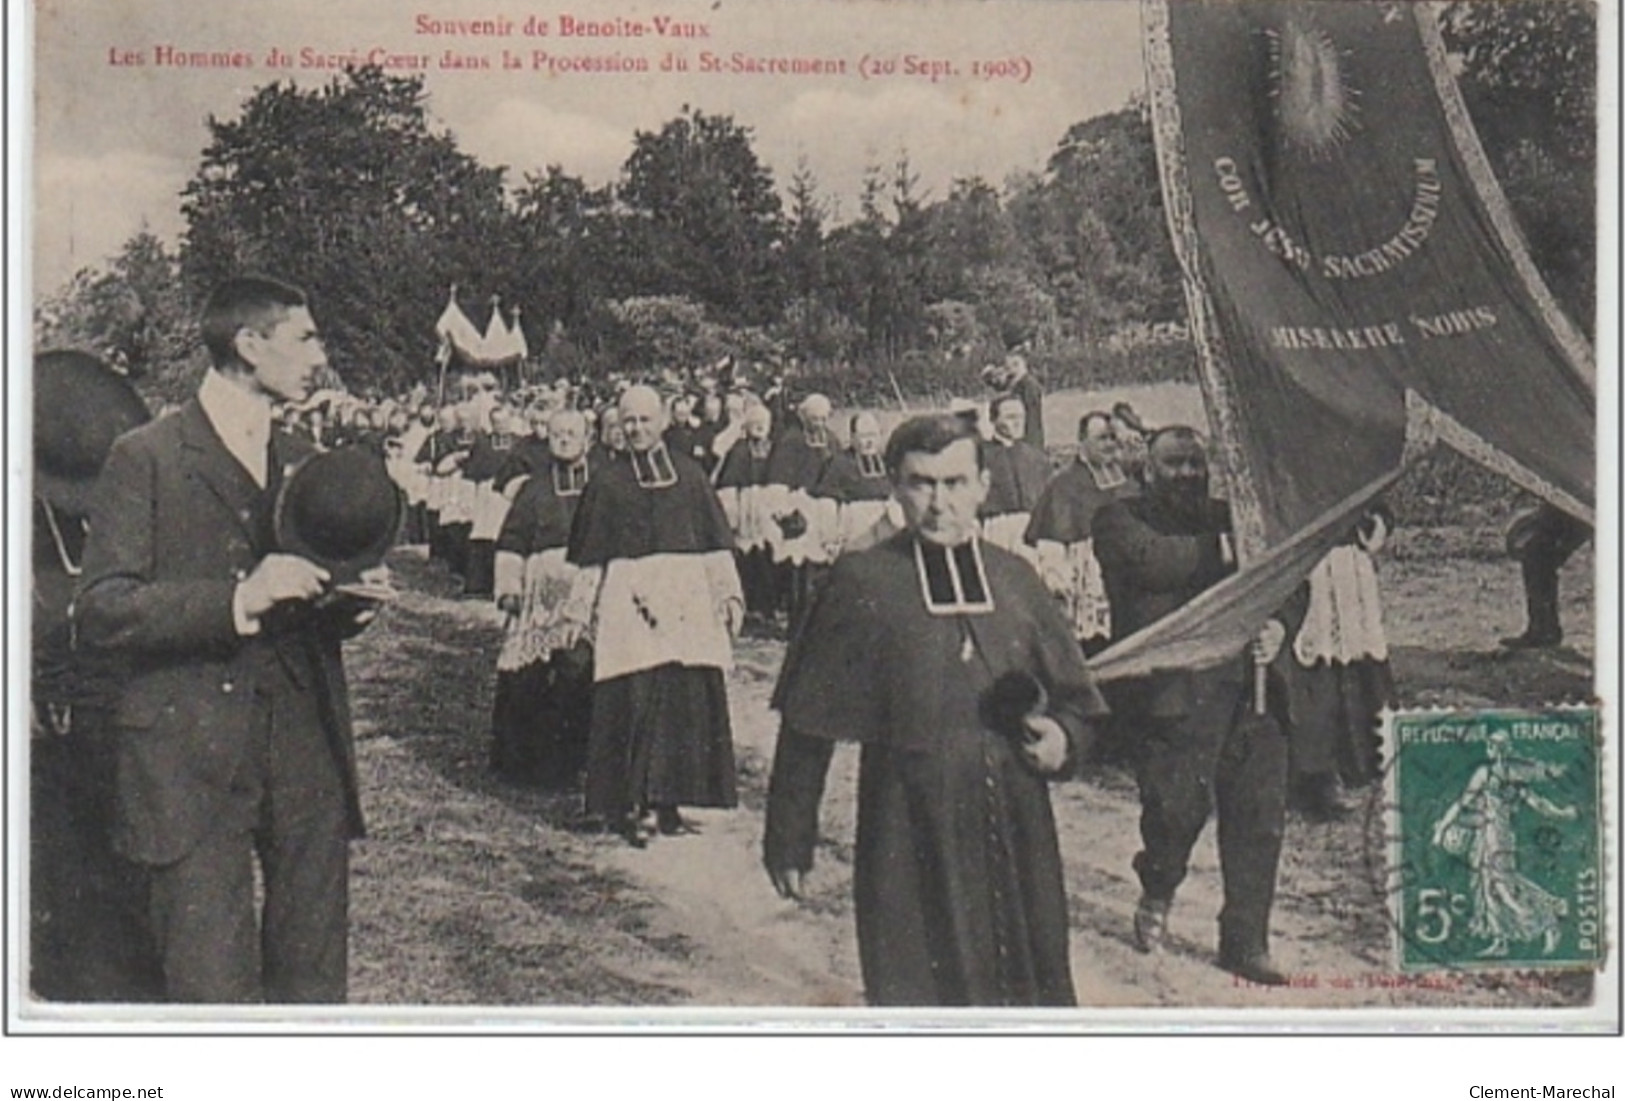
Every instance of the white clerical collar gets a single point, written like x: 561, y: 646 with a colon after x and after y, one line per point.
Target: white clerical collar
x: 653, y: 468
x: 569, y: 479
x: 241, y: 418
x: 953, y: 580
x: 1109, y: 477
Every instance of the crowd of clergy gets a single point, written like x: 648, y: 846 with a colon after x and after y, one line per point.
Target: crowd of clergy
x: 494, y: 479
x: 629, y: 536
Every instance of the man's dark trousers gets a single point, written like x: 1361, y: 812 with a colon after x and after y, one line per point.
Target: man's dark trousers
x: 1219, y: 756
x: 287, y: 805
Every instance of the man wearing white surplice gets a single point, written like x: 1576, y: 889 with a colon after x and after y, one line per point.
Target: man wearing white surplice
x: 802, y: 529
x: 660, y: 593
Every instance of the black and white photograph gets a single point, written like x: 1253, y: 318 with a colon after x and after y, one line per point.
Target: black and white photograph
x: 849, y: 515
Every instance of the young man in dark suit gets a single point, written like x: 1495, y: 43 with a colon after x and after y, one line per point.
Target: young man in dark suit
x: 233, y: 722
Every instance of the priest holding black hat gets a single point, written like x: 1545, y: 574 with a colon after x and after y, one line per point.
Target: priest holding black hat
x: 947, y: 661
x: 233, y: 722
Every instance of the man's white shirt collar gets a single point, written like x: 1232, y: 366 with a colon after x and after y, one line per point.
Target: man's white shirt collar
x: 242, y: 420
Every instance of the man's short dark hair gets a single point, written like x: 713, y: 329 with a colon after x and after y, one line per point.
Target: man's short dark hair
x: 247, y: 302
x: 1184, y: 433
x: 931, y: 434
x: 1093, y: 415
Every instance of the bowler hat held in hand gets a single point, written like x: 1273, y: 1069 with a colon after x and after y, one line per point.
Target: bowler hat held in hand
x: 341, y: 510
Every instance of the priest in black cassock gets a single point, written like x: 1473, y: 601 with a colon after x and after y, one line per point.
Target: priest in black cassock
x: 1017, y: 473
x: 856, y: 480
x: 795, y: 535
x: 947, y: 661
x: 1062, y: 530
x: 543, y: 705
x: 741, y: 482
x: 659, y: 588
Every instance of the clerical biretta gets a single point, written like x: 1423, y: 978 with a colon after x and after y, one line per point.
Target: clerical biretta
x: 946, y: 659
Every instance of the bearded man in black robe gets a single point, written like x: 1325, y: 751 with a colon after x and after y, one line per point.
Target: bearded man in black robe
x: 1205, y: 744
x: 946, y: 659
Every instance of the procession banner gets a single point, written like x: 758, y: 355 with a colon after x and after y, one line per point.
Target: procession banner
x: 1358, y: 290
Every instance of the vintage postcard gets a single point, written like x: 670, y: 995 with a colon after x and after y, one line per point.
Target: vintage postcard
x: 831, y: 514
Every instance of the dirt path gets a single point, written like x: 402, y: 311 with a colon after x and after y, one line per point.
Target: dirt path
x: 471, y: 891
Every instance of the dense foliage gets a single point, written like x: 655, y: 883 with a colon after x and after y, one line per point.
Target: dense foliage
x: 695, y: 251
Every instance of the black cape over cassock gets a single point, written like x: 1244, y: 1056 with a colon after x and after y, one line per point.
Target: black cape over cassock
x: 543, y: 705
x: 957, y: 880
x: 660, y: 729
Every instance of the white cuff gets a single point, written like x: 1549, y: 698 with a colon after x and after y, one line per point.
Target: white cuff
x: 246, y: 624
x: 509, y: 571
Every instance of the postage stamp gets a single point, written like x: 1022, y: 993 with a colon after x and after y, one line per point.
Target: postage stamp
x: 1495, y: 851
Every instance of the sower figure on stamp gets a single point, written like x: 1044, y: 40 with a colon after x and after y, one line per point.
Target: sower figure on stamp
x: 233, y: 725
x: 660, y: 592
x: 1201, y: 746
x: 1507, y: 905
x: 947, y: 661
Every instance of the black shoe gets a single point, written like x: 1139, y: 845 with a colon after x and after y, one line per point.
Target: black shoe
x: 1150, y: 923
x: 1255, y: 967
x: 1532, y: 641
x: 670, y: 823
x: 1325, y: 800
x: 631, y: 830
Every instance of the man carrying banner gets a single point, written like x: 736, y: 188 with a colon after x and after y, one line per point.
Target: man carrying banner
x: 946, y: 660
x: 1204, y: 744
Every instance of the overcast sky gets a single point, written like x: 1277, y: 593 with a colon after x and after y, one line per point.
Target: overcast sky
x: 115, y: 143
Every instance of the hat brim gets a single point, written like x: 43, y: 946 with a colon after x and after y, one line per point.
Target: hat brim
x: 81, y: 405
x: 291, y: 538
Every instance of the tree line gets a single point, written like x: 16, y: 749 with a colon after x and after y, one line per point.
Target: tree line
x: 694, y: 251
